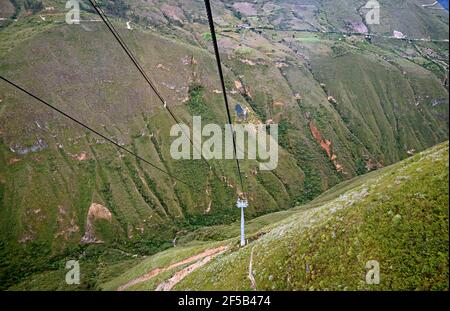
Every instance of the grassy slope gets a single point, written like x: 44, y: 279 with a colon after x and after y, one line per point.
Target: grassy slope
x: 397, y: 216
x: 145, y: 207
x: 56, y: 61
x: 388, y: 102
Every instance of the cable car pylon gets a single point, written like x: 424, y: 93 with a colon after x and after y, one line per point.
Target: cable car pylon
x: 242, y: 203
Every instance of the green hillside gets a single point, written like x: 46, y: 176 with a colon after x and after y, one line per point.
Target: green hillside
x: 397, y: 216
x: 345, y: 106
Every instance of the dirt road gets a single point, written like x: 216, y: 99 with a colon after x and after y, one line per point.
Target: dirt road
x: 199, y: 259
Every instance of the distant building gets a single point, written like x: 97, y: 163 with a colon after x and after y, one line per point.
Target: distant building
x: 241, y: 113
x: 399, y: 35
x: 244, y: 26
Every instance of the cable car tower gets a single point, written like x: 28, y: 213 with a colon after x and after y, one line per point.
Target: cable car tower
x: 242, y: 203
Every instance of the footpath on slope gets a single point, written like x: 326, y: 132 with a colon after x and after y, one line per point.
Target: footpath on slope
x: 200, y: 260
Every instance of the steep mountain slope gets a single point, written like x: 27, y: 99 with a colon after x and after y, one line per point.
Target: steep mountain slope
x: 344, y: 105
x: 397, y: 216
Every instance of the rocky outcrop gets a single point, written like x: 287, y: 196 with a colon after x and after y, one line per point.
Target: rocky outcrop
x: 96, y: 212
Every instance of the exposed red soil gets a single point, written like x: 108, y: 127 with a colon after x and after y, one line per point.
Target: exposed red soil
x: 82, y: 156
x: 13, y: 160
x: 326, y: 145
x: 205, y: 256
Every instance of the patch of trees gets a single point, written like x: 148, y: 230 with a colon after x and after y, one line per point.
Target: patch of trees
x: 196, y: 103
x: 237, y: 14
x: 283, y: 128
x: 27, y: 5
x: 33, y: 5
x: 115, y: 7
x: 16, y: 8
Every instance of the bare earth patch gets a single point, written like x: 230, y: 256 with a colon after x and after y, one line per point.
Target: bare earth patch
x: 83, y: 156
x: 13, y: 160
x: 327, y: 146
x: 172, y: 12
x: 201, y: 258
x: 96, y: 211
